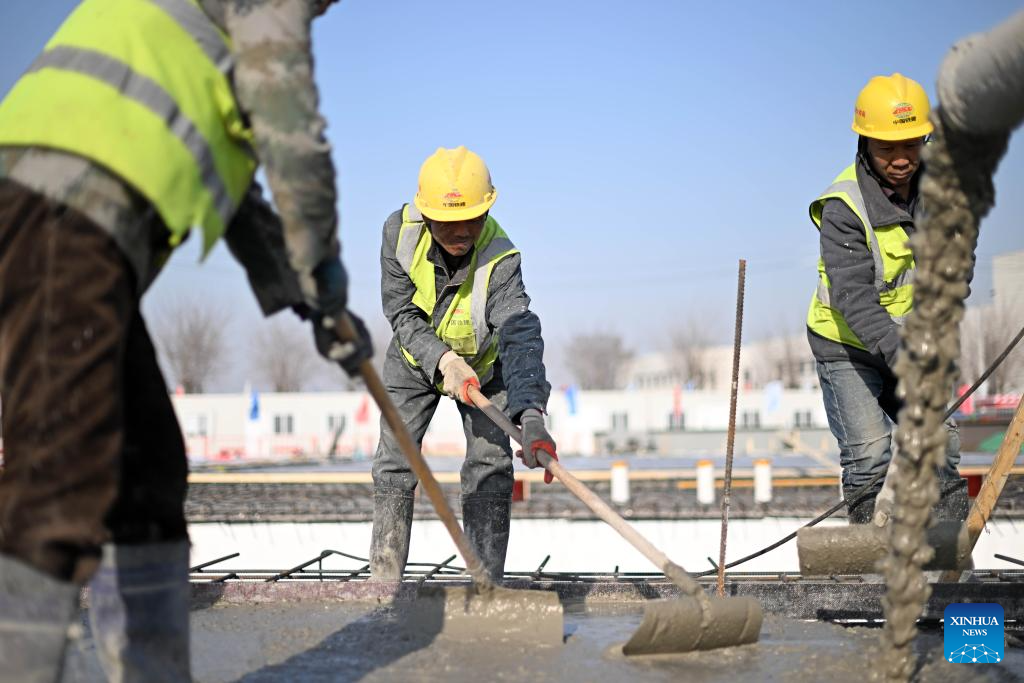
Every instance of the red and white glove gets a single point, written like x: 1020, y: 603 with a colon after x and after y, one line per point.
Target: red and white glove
x: 536, y: 438
x: 458, y: 376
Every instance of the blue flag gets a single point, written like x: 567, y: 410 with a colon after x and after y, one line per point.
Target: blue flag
x: 570, y: 398
x: 254, y: 406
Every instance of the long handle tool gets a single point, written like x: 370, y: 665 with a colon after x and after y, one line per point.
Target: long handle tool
x: 696, y: 622
x: 998, y: 473
x: 528, y: 615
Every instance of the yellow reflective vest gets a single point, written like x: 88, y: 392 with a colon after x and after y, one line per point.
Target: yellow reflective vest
x: 142, y: 88
x: 463, y: 326
x: 894, y: 265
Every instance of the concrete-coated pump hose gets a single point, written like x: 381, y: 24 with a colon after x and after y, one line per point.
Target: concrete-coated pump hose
x: 981, y: 80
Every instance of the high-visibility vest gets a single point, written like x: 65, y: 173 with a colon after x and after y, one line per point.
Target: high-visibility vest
x: 142, y: 88
x: 463, y: 326
x: 894, y: 265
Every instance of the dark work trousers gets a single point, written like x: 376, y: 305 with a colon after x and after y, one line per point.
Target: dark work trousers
x: 487, y: 469
x: 92, y: 449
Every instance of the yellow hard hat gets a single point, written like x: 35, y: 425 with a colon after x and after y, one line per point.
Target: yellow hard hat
x: 892, y: 108
x: 455, y: 185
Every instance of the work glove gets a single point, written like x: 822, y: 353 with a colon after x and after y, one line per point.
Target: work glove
x: 348, y: 353
x: 536, y: 438
x: 330, y: 282
x: 458, y: 376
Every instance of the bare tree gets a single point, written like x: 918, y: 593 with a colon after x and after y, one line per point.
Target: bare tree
x: 191, y: 337
x: 596, y: 359
x: 984, y: 333
x: 284, y: 354
x: 788, y: 352
x: 688, y: 351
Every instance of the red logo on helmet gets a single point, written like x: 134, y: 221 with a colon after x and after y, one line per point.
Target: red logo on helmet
x: 903, y: 110
x: 454, y: 194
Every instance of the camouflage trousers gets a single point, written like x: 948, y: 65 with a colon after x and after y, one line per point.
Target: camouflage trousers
x: 91, y: 446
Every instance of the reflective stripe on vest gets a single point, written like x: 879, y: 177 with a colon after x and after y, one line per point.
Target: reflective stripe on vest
x: 148, y: 81
x: 893, y: 261
x: 479, y: 348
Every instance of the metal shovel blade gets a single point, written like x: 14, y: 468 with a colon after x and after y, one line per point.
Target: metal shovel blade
x: 489, y: 612
x: 677, y: 625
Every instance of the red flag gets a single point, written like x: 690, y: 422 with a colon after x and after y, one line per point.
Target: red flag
x: 363, y: 414
x: 967, y: 408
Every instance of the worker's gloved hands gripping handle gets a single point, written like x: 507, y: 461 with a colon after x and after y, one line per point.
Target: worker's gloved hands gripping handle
x: 458, y: 376
x: 536, y: 438
x: 331, y: 300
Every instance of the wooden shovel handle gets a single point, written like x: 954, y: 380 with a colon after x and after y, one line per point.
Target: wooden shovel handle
x: 992, y: 487
x: 416, y: 462
x: 673, y: 571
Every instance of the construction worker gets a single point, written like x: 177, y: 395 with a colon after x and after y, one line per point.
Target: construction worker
x: 452, y: 288
x: 140, y: 120
x: 865, y: 289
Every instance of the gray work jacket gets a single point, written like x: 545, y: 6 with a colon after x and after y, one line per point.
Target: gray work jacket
x: 520, y: 345
x: 851, y: 271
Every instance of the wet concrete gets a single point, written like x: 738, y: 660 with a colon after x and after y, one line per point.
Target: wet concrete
x: 857, y: 548
x: 363, y: 642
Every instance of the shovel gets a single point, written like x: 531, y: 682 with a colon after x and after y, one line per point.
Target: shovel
x: 998, y: 473
x: 857, y: 548
x: 482, y: 609
x: 695, y: 622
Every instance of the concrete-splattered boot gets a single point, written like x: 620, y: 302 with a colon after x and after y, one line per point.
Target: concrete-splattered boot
x: 36, y: 612
x: 486, y: 518
x: 863, y: 510
x: 392, y: 526
x: 138, y: 611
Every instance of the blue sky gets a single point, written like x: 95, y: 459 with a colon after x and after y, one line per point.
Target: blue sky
x: 640, y: 149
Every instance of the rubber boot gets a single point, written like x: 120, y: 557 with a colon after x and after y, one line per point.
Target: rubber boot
x: 486, y: 518
x: 36, y: 614
x: 138, y: 612
x: 392, y: 526
x: 955, y: 504
x: 863, y: 510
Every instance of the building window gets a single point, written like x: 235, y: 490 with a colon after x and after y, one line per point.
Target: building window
x: 620, y: 422
x: 802, y: 418
x: 195, y: 425
x: 676, y: 422
x: 284, y: 424
x: 335, y: 423
x: 750, y: 419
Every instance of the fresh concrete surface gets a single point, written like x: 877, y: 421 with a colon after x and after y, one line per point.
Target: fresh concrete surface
x: 346, y: 641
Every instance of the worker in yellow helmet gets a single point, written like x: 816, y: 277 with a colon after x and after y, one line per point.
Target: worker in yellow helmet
x: 452, y: 289
x: 139, y: 121
x: 865, y: 288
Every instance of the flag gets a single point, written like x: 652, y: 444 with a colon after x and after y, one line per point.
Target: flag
x: 570, y: 398
x: 363, y: 414
x: 772, y: 396
x: 254, y: 406
x: 967, y: 407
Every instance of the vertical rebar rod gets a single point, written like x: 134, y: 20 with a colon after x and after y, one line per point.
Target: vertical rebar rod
x: 731, y: 438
